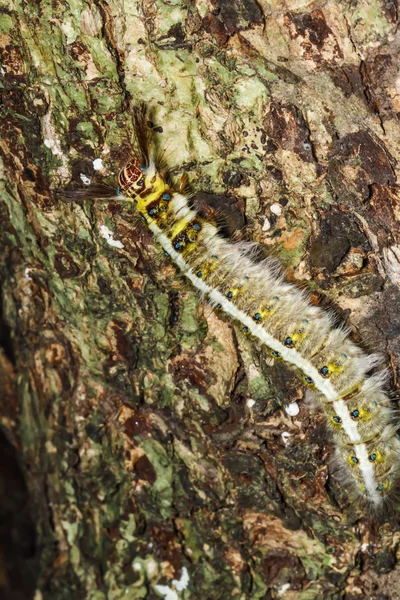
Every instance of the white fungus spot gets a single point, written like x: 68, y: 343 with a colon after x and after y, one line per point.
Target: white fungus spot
x: 166, y: 592
x: 276, y: 209
x: 183, y: 582
x: 250, y: 402
x: 364, y: 547
x: 26, y: 274
x: 284, y: 588
x: 285, y: 437
x: 52, y: 141
x: 179, y: 585
x: 85, y: 180
x: 98, y: 164
x: 292, y: 409
x: 137, y: 566
x: 108, y: 236
x: 267, y: 224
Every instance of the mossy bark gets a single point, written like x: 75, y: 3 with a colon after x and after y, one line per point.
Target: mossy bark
x: 154, y: 441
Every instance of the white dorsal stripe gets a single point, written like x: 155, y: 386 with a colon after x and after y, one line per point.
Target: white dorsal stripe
x: 289, y: 355
x: 368, y: 473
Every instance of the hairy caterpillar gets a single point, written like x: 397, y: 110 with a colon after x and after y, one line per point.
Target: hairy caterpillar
x: 275, y: 314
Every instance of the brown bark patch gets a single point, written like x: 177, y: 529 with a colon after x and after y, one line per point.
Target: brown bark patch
x: 228, y: 18
x: 317, y: 39
x: 285, y: 124
x: 358, y: 161
x: 338, y: 234
x: 13, y: 62
x: 280, y: 567
x: 145, y: 470
x: 384, y: 213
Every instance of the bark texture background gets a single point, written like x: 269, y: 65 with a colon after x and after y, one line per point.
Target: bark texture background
x: 153, y: 442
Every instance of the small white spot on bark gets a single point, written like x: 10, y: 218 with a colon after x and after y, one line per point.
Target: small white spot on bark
x: 52, y: 141
x: 98, y: 164
x: 166, y: 592
x: 365, y: 546
x: 284, y: 588
x: 179, y: 585
x: 276, y: 209
x: 85, y: 180
x: 183, y: 582
x: 26, y: 274
x: 250, y: 402
x: 267, y: 224
x: 108, y: 236
x: 137, y: 566
x: 285, y: 437
x: 292, y: 409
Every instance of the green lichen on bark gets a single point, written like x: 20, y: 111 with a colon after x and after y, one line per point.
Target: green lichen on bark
x: 150, y: 433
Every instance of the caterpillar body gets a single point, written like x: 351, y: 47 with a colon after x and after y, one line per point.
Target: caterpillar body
x: 278, y: 316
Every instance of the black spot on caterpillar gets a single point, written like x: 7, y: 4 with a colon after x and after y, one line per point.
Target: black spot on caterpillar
x: 272, y: 312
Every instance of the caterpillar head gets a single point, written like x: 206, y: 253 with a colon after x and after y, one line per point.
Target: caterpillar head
x: 131, y: 179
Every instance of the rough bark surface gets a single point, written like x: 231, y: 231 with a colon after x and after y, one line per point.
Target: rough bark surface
x: 151, y: 438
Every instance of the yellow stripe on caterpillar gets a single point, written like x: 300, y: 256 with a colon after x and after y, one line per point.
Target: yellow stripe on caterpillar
x: 149, y: 195
x: 295, y: 338
x: 182, y: 224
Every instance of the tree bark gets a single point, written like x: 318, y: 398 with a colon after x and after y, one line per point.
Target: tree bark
x: 153, y: 440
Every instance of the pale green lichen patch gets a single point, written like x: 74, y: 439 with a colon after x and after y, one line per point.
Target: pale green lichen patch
x: 250, y: 93
x: 161, y: 491
x: 368, y: 20
x: 6, y: 23
x: 86, y: 127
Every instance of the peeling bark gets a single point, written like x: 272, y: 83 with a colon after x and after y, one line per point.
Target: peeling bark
x: 153, y: 440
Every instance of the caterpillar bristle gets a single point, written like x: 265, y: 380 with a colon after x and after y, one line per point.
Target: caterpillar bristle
x: 276, y: 316
x: 184, y: 187
x: 204, y: 205
x: 94, y: 191
x: 142, y: 131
